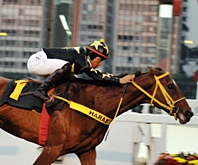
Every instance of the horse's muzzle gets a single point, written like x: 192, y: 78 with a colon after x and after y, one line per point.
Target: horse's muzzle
x: 185, y: 117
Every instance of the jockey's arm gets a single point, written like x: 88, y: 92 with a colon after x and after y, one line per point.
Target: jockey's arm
x: 100, y: 76
x: 107, y: 77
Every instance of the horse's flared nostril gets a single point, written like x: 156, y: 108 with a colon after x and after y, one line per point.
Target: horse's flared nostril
x: 189, y: 114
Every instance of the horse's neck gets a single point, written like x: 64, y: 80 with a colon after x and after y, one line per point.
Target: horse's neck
x: 118, y: 101
x: 100, y: 98
x: 134, y: 96
x: 107, y: 99
x: 3, y: 82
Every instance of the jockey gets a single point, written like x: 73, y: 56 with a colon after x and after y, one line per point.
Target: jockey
x: 59, y: 63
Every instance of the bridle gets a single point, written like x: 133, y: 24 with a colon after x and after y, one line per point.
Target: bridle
x: 170, y: 102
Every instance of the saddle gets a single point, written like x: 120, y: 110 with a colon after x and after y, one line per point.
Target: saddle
x: 18, y: 93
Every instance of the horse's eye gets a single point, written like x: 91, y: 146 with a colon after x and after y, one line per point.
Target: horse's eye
x: 170, y: 86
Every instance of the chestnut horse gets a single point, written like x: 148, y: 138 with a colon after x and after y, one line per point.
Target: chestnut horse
x: 71, y: 131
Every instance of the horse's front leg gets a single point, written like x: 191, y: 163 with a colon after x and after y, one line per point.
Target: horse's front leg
x: 88, y: 158
x: 55, y: 141
x: 48, y: 155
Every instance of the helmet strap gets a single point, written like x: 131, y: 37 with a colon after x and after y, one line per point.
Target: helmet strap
x: 98, y: 53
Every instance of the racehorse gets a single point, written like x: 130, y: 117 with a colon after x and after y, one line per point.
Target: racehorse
x: 71, y: 131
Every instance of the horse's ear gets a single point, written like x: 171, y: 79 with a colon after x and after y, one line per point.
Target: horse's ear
x: 149, y: 68
x: 156, y: 71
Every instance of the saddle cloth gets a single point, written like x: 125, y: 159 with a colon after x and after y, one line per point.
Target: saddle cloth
x: 28, y: 102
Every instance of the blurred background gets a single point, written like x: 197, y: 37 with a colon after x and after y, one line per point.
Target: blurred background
x: 156, y: 33
x: 139, y: 34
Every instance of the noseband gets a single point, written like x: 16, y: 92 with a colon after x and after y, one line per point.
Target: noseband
x: 170, y: 102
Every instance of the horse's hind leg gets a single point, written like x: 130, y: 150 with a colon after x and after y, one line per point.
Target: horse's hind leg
x: 48, y: 155
x: 88, y: 158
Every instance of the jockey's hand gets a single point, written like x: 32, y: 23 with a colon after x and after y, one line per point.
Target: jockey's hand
x: 127, y: 79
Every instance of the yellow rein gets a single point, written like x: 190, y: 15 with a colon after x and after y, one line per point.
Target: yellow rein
x: 170, y: 102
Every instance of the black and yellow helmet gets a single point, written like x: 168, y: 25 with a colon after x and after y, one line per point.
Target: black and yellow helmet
x: 98, y: 48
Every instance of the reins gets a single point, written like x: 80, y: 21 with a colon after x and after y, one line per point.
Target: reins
x: 118, y: 108
x: 170, y: 102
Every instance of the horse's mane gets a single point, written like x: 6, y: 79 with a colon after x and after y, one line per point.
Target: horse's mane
x: 92, y: 82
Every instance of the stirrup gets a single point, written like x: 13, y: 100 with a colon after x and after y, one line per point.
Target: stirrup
x: 41, y: 95
x: 50, y: 100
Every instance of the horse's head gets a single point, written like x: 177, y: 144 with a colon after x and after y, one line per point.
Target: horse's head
x: 165, y: 94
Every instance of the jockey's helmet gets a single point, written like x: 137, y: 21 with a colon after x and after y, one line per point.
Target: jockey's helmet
x: 98, y: 48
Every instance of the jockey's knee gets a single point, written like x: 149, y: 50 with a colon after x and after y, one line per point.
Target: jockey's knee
x: 65, y: 71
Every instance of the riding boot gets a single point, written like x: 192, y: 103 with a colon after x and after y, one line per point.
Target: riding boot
x: 52, y: 81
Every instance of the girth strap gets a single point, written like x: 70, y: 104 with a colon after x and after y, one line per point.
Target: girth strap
x: 90, y: 112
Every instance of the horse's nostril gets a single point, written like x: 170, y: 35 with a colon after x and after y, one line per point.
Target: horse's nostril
x: 189, y: 114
